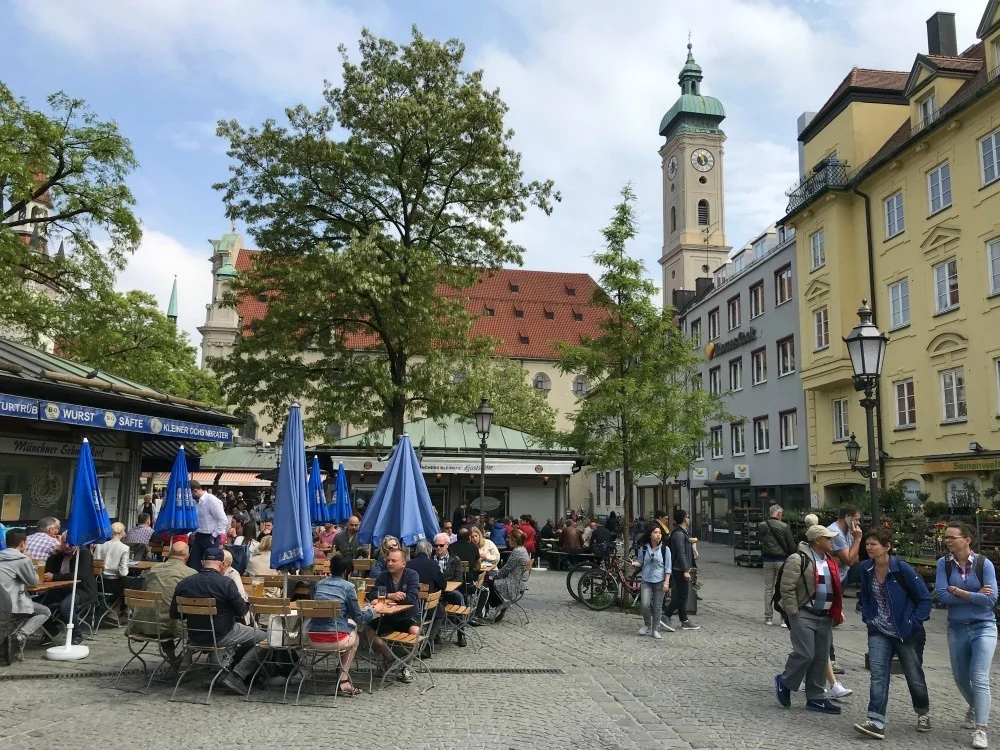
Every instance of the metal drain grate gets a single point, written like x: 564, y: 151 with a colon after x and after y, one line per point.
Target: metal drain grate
x: 68, y: 675
x: 495, y: 670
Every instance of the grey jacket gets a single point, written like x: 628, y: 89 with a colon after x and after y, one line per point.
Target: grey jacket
x: 680, y: 550
x: 776, y: 538
x: 17, y: 571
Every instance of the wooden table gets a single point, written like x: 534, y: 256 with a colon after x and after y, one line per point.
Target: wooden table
x: 141, y: 565
x: 452, y: 586
x: 44, y: 586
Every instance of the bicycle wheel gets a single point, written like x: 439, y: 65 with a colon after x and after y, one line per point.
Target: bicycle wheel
x: 597, y: 589
x: 573, y: 576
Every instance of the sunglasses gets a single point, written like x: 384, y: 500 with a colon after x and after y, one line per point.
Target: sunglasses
x: 440, y: 545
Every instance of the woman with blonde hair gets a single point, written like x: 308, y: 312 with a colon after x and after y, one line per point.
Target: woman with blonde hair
x: 114, y: 552
x: 260, y: 562
x: 488, y: 552
x: 388, y: 544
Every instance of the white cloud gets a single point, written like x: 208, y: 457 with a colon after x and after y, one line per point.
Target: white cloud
x: 159, y: 258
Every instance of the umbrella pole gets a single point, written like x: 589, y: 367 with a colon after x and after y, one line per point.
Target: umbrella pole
x: 285, y: 595
x: 69, y: 652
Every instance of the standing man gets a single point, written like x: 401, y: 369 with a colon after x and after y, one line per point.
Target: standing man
x: 776, y: 544
x: 213, y: 525
x: 811, y: 598
x: 846, y: 548
x: 458, y: 517
x: 682, y: 557
x: 346, y: 542
x: 17, y: 571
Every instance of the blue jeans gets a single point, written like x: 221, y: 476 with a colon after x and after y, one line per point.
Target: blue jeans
x: 881, y: 649
x: 971, y: 645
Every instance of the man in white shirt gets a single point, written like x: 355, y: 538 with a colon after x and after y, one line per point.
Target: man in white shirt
x: 212, y: 524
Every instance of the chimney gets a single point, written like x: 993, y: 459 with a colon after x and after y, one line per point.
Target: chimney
x: 800, y: 124
x: 941, y: 37
x: 702, y: 285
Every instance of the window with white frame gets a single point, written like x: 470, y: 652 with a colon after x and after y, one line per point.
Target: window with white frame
x: 715, y: 436
x: 894, y: 215
x: 696, y: 331
x: 715, y: 380
x: 713, y: 324
x: 906, y: 403
x: 758, y: 366
x: 759, y: 249
x: 542, y: 382
x: 821, y: 324
x: 699, y: 450
x: 993, y: 262
x: 761, y: 435
x: 928, y: 110
x: 786, y: 356
x: 789, y: 430
x: 757, y: 300
x: 782, y: 285
x: 817, y: 244
x: 939, y: 187
x: 736, y: 374
x: 580, y: 386
x: 734, y: 313
x: 899, y: 304
x: 946, y: 285
x: 841, y: 426
x: 737, y: 436
x: 953, y: 395
x: 989, y: 150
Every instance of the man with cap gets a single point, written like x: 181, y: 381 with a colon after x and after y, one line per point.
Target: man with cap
x: 812, y: 599
x: 231, y: 608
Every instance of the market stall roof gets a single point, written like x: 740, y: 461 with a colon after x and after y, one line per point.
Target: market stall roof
x: 257, y: 458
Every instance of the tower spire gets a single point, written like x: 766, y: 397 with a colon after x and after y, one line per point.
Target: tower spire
x: 172, y: 307
x: 690, y: 76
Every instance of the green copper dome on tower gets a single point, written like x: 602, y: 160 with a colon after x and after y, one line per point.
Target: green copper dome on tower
x: 692, y: 111
x: 226, y: 271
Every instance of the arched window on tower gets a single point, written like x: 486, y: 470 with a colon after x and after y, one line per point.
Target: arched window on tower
x: 673, y: 218
x: 703, y: 214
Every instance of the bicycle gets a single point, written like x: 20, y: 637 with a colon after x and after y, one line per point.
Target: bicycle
x: 599, y: 588
x: 576, y: 571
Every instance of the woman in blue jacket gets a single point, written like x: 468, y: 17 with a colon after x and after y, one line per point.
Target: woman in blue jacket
x: 895, y: 603
x: 967, y: 583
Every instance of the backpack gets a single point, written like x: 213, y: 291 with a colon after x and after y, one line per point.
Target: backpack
x: 663, y: 555
x: 979, y: 566
x: 776, y: 599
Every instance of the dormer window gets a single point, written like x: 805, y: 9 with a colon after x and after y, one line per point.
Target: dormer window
x: 514, y: 288
x: 927, y: 109
x: 550, y: 315
x: 570, y: 291
x: 578, y: 316
x: 491, y: 311
x: 518, y: 313
x: 524, y: 339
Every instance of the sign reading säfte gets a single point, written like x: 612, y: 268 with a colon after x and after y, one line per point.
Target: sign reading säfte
x: 89, y: 416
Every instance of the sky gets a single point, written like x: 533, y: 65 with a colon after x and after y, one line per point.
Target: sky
x: 587, y: 82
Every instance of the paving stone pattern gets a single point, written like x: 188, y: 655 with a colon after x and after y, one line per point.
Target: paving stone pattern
x: 704, y: 689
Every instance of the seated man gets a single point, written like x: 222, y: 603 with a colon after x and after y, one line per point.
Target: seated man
x: 428, y: 571
x: 230, y: 607
x: 346, y: 542
x: 43, y: 542
x: 446, y: 528
x: 466, y: 551
x: 451, y: 568
x: 60, y: 567
x: 602, y: 541
x: 142, y: 532
x: 17, y: 571
x: 266, y: 526
x: 402, y: 586
x: 164, y: 578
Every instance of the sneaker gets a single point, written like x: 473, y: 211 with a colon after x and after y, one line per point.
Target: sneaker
x: 970, y: 719
x: 768, y: 621
x: 406, y: 675
x: 871, y: 729
x: 643, y: 630
x: 665, y: 624
x: 782, y: 693
x: 923, y: 723
x: 656, y: 634
x: 802, y: 687
x: 837, y: 669
x: 838, y: 691
x: 784, y: 625
x: 688, y: 625
x: 823, y: 706
x: 979, y: 739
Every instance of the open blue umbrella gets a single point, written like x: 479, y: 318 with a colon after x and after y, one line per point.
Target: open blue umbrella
x: 291, y: 539
x: 319, y: 511
x: 401, y: 505
x: 342, y: 503
x: 178, y: 511
x: 88, y: 523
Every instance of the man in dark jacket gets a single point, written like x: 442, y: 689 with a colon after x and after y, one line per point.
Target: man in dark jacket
x: 680, y: 574
x: 458, y: 517
x: 776, y: 544
x: 428, y: 571
x: 59, y: 567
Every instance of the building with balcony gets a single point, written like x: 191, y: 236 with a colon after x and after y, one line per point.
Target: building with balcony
x: 902, y: 208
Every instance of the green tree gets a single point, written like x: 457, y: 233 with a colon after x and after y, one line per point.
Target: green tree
x: 643, y: 414
x: 127, y: 335
x: 71, y: 251
x: 402, y: 184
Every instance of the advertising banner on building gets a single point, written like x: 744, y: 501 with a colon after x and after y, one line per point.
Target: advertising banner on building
x: 89, y: 416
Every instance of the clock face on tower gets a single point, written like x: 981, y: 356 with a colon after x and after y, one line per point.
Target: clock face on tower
x: 672, y: 168
x: 702, y: 160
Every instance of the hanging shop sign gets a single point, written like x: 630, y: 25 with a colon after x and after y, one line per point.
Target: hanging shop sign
x: 16, y: 406
x: 89, y: 416
x: 54, y: 449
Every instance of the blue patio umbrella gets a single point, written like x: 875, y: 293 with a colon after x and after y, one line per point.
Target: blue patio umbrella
x: 319, y: 511
x: 88, y: 523
x: 342, y: 503
x: 401, y: 505
x: 291, y: 539
x: 178, y: 511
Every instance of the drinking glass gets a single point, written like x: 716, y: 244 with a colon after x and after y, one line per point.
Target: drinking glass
x: 256, y: 586
x: 380, y: 594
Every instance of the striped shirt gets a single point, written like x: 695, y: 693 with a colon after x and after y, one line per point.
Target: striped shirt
x: 39, y: 546
x: 883, y: 620
x: 823, y: 598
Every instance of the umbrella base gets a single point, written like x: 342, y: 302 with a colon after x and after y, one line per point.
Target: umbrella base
x: 67, y: 652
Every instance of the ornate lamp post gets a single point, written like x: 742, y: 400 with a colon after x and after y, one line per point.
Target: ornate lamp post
x: 866, y: 347
x: 484, y: 421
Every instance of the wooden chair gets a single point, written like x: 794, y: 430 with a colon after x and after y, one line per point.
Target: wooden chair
x: 210, y: 651
x: 310, y: 657
x: 144, y: 626
x: 107, y: 598
x: 410, y: 644
x: 457, y: 617
x: 262, y: 609
x: 322, y: 567
x: 363, y: 565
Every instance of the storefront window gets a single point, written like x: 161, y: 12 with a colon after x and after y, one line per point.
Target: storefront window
x: 497, y: 501
x: 35, y: 487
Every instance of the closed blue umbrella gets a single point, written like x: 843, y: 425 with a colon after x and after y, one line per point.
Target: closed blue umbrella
x: 319, y: 511
x: 178, y: 511
x: 291, y: 539
x: 401, y: 505
x: 342, y: 503
x: 88, y: 523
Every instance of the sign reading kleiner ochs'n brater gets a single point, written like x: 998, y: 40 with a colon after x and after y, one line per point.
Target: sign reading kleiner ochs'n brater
x: 89, y: 416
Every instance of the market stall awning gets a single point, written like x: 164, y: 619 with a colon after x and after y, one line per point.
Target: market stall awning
x: 229, y: 479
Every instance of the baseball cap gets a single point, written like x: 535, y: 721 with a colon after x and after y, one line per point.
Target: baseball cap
x: 815, y: 532
x: 213, y: 553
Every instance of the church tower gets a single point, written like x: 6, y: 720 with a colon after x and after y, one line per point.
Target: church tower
x: 222, y: 324
x: 694, y: 228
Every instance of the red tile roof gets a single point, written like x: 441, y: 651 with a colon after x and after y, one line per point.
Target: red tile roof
x: 964, y: 64
x: 863, y: 79
x: 550, y: 302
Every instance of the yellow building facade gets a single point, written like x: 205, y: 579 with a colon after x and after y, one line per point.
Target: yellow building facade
x: 902, y: 207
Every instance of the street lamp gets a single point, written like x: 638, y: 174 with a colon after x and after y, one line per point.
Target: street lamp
x: 866, y: 347
x: 484, y: 420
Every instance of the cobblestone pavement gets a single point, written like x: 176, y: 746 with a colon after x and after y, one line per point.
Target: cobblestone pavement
x: 704, y: 689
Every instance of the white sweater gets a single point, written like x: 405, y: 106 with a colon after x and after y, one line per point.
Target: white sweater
x: 115, y: 555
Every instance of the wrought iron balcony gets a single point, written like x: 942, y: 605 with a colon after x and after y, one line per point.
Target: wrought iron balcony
x: 831, y: 173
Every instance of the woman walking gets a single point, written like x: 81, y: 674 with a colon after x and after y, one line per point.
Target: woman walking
x: 967, y: 583
x: 895, y: 603
x: 655, y: 561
